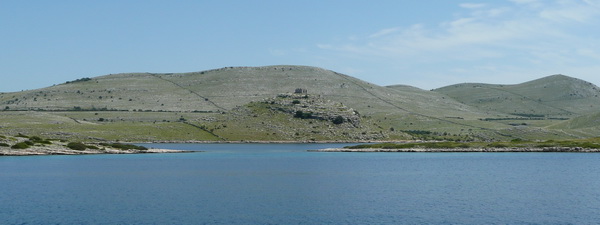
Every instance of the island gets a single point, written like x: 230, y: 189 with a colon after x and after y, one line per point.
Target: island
x: 516, y: 145
x: 22, y: 145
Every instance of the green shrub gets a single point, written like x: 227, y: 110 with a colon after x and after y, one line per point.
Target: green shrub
x: 383, y: 146
x: 4, y: 145
x: 128, y: 146
x: 79, y: 80
x: 338, y: 120
x: 124, y: 146
x: 20, y: 145
x: 426, y: 145
x: 77, y: 146
x: 439, y: 145
x: 417, y: 132
x: 36, y: 139
x: 303, y: 115
x: 544, y: 145
x: 589, y: 145
x: 463, y: 145
x: 497, y: 145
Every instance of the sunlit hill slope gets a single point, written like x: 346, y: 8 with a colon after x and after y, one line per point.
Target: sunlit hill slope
x: 259, y: 104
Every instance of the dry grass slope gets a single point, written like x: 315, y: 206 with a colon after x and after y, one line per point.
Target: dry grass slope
x: 210, y: 106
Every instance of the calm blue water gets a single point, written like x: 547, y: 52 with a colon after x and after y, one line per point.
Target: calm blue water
x: 283, y: 184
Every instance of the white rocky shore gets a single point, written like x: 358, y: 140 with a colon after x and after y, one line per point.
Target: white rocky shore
x: 545, y: 149
x: 59, y: 150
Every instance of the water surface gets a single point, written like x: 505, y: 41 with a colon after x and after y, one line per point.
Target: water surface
x: 284, y: 184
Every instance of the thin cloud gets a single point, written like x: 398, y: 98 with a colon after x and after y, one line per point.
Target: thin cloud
x: 523, y: 36
x: 385, y: 32
x: 571, y: 12
x: 472, y: 5
x: 527, y: 2
x: 492, y: 29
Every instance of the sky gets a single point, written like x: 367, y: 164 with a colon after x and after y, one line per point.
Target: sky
x: 426, y: 43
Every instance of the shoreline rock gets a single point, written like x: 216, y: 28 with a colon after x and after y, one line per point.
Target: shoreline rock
x: 267, y: 142
x: 39, y: 151
x: 464, y: 150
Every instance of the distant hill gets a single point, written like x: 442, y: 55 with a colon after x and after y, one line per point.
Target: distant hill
x: 552, y: 96
x: 223, y: 89
x: 234, y: 104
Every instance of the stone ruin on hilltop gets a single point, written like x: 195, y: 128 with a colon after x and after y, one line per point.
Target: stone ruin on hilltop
x: 300, y: 91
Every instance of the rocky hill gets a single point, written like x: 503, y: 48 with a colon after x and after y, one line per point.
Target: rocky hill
x: 552, y: 96
x: 223, y: 89
x: 297, y: 117
x: 259, y: 104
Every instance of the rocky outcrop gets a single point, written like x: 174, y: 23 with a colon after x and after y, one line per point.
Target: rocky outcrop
x: 55, y: 150
x: 23, y: 146
x: 314, y: 107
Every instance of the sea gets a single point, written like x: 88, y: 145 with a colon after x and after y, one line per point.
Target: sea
x: 285, y: 184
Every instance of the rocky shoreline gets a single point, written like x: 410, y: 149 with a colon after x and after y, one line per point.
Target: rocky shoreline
x: 458, y: 150
x: 270, y: 142
x: 56, y: 150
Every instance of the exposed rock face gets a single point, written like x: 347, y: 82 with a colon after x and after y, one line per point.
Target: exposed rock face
x: 314, y: 107
x: 299, y: 118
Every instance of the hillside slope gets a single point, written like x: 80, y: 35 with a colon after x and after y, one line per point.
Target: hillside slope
x: 230, y: 104
x: 552, y: 96
x: 226, y: 88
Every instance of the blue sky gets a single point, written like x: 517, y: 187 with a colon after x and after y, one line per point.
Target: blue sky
x: 427, y: 44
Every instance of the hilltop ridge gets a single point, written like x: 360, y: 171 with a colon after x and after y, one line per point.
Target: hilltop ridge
x: 227, y: 104
x: 556, y: 95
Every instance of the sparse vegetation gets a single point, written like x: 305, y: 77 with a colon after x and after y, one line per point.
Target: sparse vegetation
x: 80, y: 146
x: 303, y: 115
x: 153, y: 110
x: 584, y: 144
x: 77, y: 146
x: 498, y: 145
x: 125, y: 146
x: 425, y: 145
x: 20, y: 145
x: 17, y: 146
x: 79, y: 80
